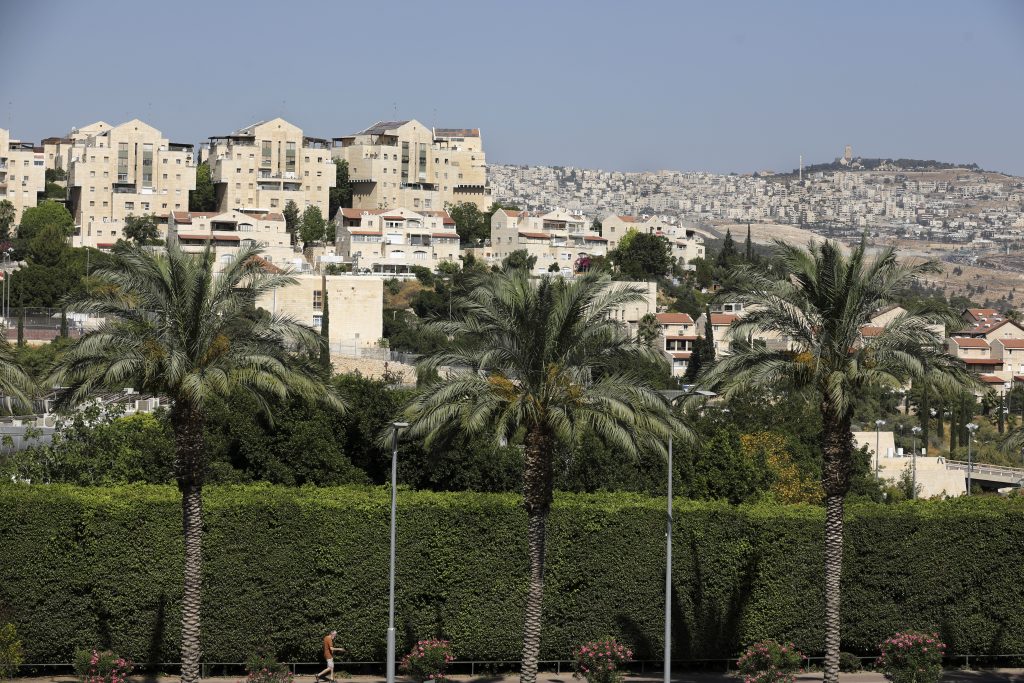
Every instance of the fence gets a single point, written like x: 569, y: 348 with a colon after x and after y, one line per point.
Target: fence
x: 42, y: 324
x: 351, y: 349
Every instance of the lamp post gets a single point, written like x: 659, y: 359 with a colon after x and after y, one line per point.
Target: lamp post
x: 395, y: 427
x: 878, y: 425
x: 913, y: 464
x: 971, y: 428
x: 671, y: 396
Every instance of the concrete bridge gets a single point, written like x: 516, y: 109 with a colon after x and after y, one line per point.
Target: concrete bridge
x: 989, y: 476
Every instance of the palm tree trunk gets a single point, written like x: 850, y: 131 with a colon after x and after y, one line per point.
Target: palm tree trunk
x: 187, y: 423
x: 537, y: 484
x: 837, y: 452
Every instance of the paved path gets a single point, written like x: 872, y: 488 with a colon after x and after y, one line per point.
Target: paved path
x: 955, y: 676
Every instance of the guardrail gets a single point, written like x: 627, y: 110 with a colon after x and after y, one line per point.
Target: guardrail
x: 996, y: 470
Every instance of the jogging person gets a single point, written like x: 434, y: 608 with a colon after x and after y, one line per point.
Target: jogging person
x: 329, y: 650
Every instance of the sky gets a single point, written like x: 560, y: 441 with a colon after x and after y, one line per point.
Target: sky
x: 629, y: 85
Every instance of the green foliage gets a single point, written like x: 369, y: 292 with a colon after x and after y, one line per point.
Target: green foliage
x: 405, y: 332
x: 291, y: 216
x: 770, y: 661
x: 141, y: 229
x: 471, y: 223
x: 598, y: 661
x: 554, y: 267
x: 7, y: 214
x: 849, y: 663
x: 204, y: 197
x: 46, y: 214
x: 12, y: 654
x: 340, y: 196
x: 101, y: 666
x: 741, y: 573
x: 519, y: 259
x: 325, y: 329
x: 56, y: 174
x: 313, y: 226
x: 648, y: 329
x: 55, y: 191
x: 643, y: 256
x: 423, y: 275
x: 728, y: 254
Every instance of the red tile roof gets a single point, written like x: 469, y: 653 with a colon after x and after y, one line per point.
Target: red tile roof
x: 1010, y: 343
x: 982, y: 361
x: 991, y: 379
x: 681, y: 337
x: 364, y: 232
x: 969, y: 342
x: 627, y: 219
x: 394, y: 218
x: 871, y: 330
x: 723, y: 318
x: 681, y: 354
x: 452, y: 235
x: 673, y: 318
x: 594, y: 238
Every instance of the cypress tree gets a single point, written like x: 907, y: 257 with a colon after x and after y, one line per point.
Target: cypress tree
x: 325, y: 327
x: 21, y: 326
x: 749, y: 246
x: 708, y: 356
x: 924, y: 416
x: 64, y: 323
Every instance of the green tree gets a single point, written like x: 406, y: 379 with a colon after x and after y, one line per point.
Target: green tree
x: 7, y: 214
x: 728, y: 255
x: 55, y: 191
x: 554, y: 267
x: 470, y: 222
x: 325, y: 329
x: 821, y: 308
x: 648, y: 329
x: 141, y: 229
x: 54, y: 175
x: 545, y: 359
x: 748, y: 247
x: 291, y: 217
x: 313, y: 226
x: 340, y: 195
x: 520, y: 259
x: 708, y: 350
x: 643, y: 257
x: 204, y: 197
x: 48, y: 213
x: 174, y: 329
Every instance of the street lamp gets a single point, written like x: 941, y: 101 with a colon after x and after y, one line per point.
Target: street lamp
x: 878, y: 425
x: 671, y: 396
x: 395, y: 427
x: 971, y: 428
x: 913, y: 464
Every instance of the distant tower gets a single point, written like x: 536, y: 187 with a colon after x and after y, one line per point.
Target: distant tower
x: 848, y: 154
x: 801, y: 168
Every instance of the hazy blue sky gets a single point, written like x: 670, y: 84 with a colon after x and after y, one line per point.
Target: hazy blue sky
x: 631, y: 85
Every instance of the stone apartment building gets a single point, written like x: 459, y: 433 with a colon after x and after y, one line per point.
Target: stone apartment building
x: 266, y: 164
x: 22, y: 173
x: 356, y: 306
x: 406, y: 164
x: 677, y: 339
x: 554, y: 237
x: 228, y: 231
x: 394, y: 240
x: 129, y: 169
x: 686, y: 243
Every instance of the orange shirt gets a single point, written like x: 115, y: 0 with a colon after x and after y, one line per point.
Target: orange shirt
x: 328, y: 644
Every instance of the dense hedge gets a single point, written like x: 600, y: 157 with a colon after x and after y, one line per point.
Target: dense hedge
x: 102, y: 566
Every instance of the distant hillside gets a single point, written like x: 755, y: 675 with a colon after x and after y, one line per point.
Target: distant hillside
x: 863, y: 164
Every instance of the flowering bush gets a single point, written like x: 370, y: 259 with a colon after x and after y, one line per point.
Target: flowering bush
x: 770, y: 662
x: 11, y: 651
x: 262, y: 669
x: 95, y: 666
x: 912, y: 657
x: 598, y: 661
x: 428, y: 659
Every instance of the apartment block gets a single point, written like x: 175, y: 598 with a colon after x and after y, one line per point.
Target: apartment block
x: 22, y: 173
x: 265, y: 165
x: 406, y: 164
x: 677, y: 339
x: 687, y: 244
x: 554, y: 237
x: 228, y: 231
x: 356, y: 306
x: 125, y: 170
x: 394, y: 240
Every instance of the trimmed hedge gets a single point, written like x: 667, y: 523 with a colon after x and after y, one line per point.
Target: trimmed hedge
x: 82, y: 567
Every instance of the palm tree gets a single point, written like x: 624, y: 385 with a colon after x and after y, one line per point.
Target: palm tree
x: 17, y: 388
x: 820, y: 308
x: 173, y: 328
x: 545, y: 361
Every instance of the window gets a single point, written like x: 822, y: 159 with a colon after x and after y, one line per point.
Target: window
x: 130, y: 206
x: 289, y: 157
x: 318, y: 299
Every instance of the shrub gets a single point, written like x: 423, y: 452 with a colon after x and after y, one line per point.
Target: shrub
x: 770, y: 662
x: 101, y: 666
x: 428, y: 659
x: 912, y: 657
x: 849, y: 663
x: 11, y: 652
x: 598, y: 661
x: 266, y: 669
